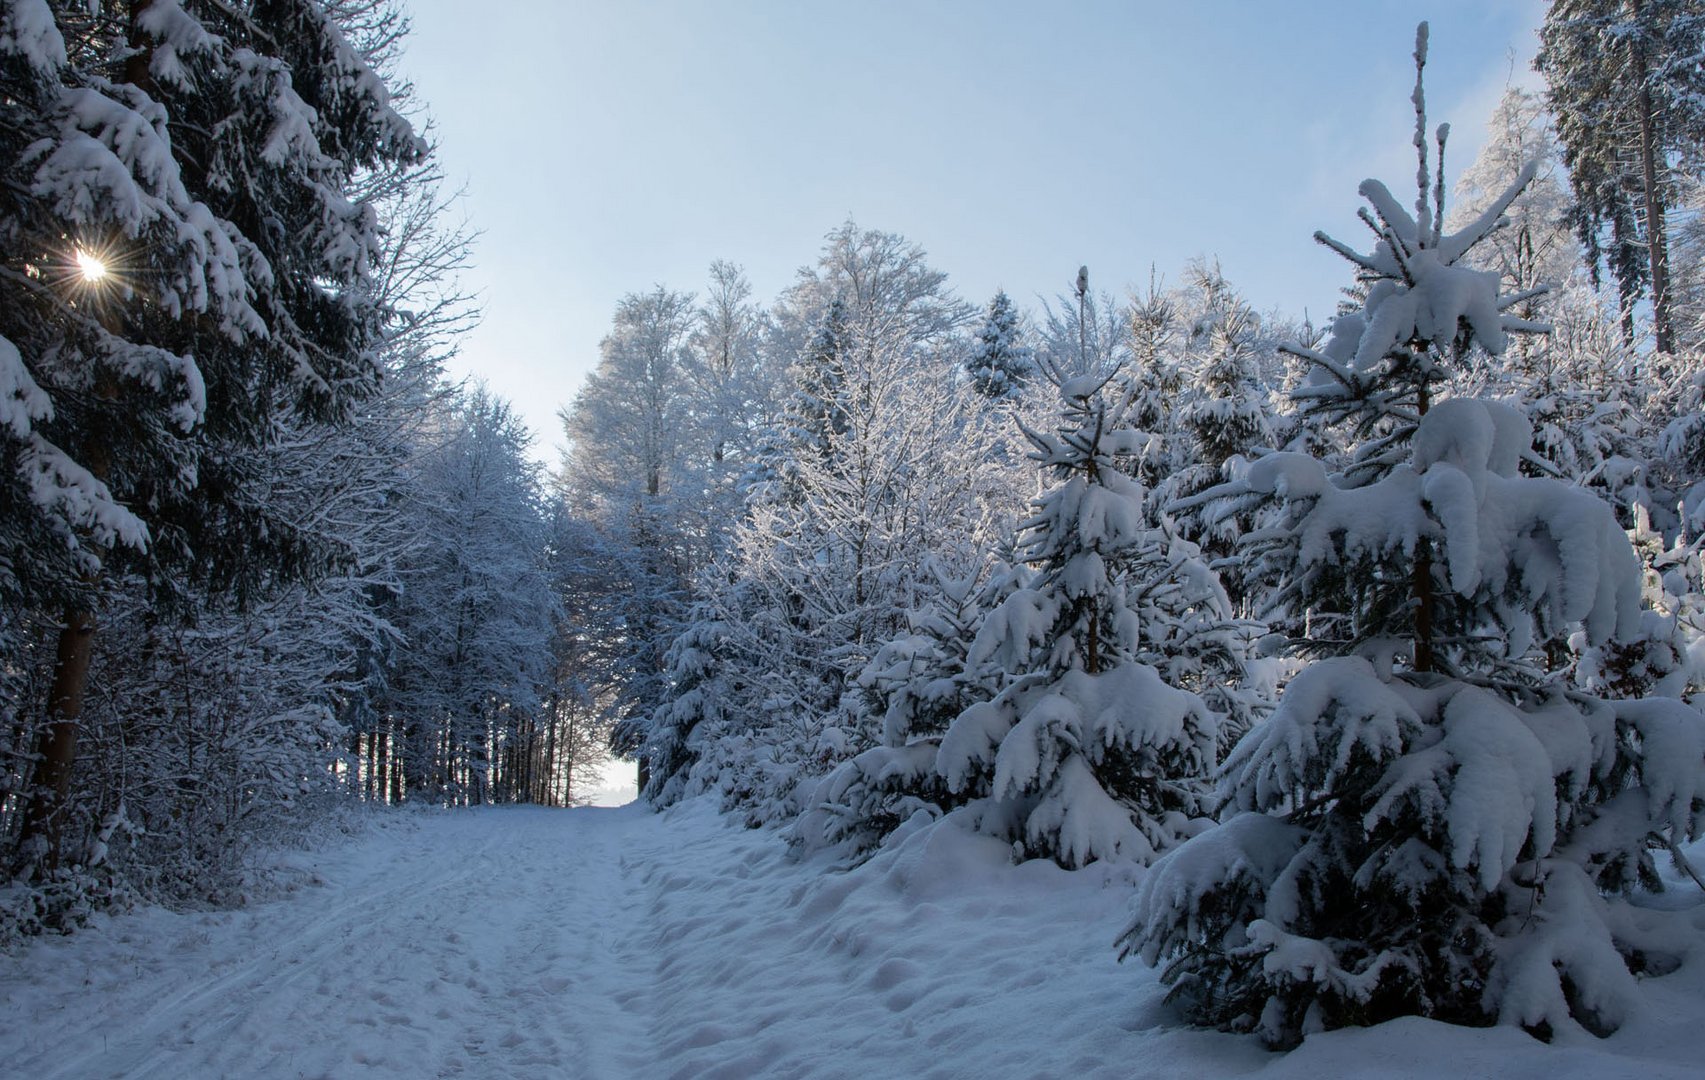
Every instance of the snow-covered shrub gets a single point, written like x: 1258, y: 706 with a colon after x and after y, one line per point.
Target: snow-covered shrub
x: 209, y: 741
x: 1667, y: 656
x: 59, y: 901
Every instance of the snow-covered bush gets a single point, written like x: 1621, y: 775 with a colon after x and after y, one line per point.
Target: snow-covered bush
x: 1667, y: 657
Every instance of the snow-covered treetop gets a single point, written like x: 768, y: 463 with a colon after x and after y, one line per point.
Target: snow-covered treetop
x: 1425, y: 302
x: 1538, y: 246
x: 1419, y: 291
x: 1000, y: 362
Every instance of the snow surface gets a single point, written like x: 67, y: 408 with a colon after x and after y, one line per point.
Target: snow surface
x: 592, y: 943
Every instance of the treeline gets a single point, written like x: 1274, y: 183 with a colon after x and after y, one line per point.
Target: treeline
x: 257, y: 555
x: 1377, y: 640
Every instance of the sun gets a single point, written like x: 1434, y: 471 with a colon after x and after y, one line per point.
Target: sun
x: 95, y: 276
x: 90, y: 266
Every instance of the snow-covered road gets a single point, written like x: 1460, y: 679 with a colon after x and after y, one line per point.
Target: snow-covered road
x: 614, y: 943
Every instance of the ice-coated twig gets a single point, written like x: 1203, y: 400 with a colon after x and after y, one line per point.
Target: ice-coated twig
x: 1334, y: 368
x: 1368, y: 220
x: 1524, y: 326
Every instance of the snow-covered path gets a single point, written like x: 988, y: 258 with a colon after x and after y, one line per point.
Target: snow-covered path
x: 608, y: 944
x: 490, y: 943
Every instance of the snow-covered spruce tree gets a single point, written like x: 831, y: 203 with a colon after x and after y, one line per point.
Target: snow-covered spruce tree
x: 671, y: 741
x: 1000, y: 363
x: 817, y: 410
x: 182, y: 253
x: 1155, y: 377
x: 1444, y: 836
x: 1229, y: 416
x: 1086, y: 753
x: 1224, y: 419
x: 1193, y: 398
x: 1424, y: 314
x: 916, y: 684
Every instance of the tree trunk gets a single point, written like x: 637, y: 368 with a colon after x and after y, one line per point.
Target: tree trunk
x: 1422, y: 584
x: 395, y: 756
x: 571, y: 746
x: 381, y: 782
x: 39, y: 837
x: 141, y: 58
x: 547, y: 771
x: 1092, y: 652
x: 1657, y: 246
x: 1423, y: 590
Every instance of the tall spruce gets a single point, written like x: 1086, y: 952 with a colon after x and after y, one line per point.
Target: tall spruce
x: 1627, y: 88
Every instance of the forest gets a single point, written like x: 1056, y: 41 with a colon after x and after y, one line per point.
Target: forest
x: 1374, y: 643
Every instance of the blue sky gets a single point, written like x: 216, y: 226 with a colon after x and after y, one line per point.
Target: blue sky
x: 609, y: 146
